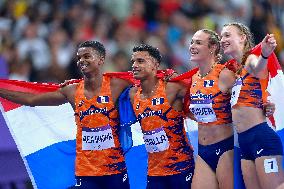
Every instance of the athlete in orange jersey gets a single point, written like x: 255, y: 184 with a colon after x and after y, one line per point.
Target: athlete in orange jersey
x: 99, y: 157
x: 210, y: 107
x: 261, y: 148
x: 158, y: 106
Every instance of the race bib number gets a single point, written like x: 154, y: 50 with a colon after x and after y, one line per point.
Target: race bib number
x: 156, y: 140
x: 271, y: 165
x: 236, y: 92
x: 203, y: 110
x: 97, y: 138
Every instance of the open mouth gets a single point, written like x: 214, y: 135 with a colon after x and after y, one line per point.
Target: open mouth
x: 83, y: 66
x: 225, y: 45
x: 135, y: 71
x: 193, y: 52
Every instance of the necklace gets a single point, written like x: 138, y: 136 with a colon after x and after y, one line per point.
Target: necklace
x: 202, y: 76
x: 148, y: 95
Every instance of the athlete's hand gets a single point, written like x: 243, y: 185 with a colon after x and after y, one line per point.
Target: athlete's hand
x: 69, y: 82
x: 170, y: 76
x: 268, y: 45
x: 269, y: 108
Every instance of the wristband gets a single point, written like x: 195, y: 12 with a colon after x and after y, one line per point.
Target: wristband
x: 264, y: 57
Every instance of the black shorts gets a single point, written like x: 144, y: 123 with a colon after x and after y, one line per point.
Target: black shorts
x: 117, y: 181
x: 258, y: 141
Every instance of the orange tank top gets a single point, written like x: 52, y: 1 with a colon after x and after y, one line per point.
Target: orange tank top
x: 98, y: 150
x: 247, y: 91
x: 169, y: 151
x: 207, y: 103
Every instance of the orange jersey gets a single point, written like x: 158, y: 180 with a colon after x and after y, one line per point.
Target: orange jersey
x: 169, y: 151
x: 247, y: 91
x: 207, y: 103
x: 98, y: 150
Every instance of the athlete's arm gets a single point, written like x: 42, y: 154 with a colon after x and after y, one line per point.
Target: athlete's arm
x: 227, y: 79
x: 51, y: 98
x: 258, y: 65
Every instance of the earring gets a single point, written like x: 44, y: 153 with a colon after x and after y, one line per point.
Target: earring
x: 211, y: 52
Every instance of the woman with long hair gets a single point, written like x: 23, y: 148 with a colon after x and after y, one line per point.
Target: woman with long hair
x: 210, y: 107
x: 261, y: 147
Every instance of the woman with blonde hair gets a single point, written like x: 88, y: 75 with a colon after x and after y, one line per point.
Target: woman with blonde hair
x: 261, y: 147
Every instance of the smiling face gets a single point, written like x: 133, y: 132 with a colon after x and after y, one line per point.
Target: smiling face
x: 232, y: 40
x: 143, y: 65
x: 199, y: 47
x: 88, y: 60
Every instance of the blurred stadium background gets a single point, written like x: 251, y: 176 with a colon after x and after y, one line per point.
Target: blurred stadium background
x: 38, y: 40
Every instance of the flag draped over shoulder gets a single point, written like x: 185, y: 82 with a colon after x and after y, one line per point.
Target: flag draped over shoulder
x: 45, y: 137
x: 131, y: 137
x: 127, y: 115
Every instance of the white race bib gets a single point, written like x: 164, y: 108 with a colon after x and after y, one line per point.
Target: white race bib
x: 203, y: 110
x: 156, y: 140
x: 236, y: 91
x: 97, y: 138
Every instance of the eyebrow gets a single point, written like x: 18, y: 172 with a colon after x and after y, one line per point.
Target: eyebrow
x: 197, y: 40
x: 86, y: 53
x: 226, y: 32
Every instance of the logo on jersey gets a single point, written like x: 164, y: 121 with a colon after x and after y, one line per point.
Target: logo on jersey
x: 200, y: 95
x: 208, y: 83
x: 92, y: 110
x: 149, y: 113
x: 103, y: 99
x: 158, y: 101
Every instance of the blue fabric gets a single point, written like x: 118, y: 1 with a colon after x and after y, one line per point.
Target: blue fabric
x: 238, y: 178
x: 137, y: 163
x: 212, y: 153
x: 281, y: 135
x: 260, y: 138
x: 127, y: 118
x: 61, y: 158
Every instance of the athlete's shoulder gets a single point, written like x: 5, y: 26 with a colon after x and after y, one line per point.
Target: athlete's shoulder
x: 69, y: 89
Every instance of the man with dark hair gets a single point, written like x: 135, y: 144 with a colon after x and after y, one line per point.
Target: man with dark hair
x: 158, y: 106
x: 99, y: 162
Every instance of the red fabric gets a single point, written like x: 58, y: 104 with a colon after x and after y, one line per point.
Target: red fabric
x: 49, y: 87
x: 232, y: 65
x: 23, y: 87
x: 186, y: 78
x: 168, y: 7
x: 136, y: 22
x: 129, y: 75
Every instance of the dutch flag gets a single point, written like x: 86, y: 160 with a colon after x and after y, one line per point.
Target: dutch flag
x: 45, y: 137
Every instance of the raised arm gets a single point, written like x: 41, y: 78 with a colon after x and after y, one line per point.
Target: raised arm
x: 258, y: 65
x: 46, y: 99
